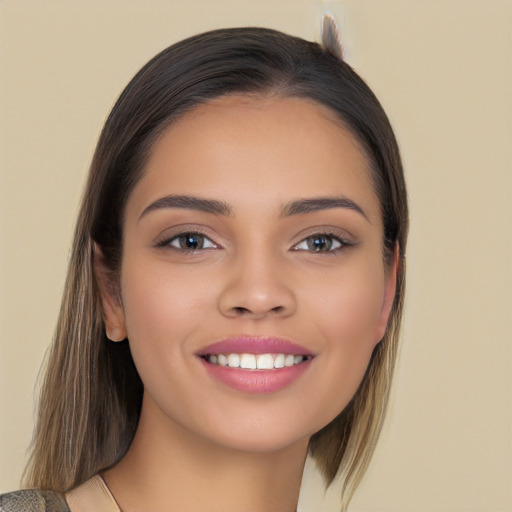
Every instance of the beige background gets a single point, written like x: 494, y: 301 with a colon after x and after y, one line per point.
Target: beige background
x: 442, y: 69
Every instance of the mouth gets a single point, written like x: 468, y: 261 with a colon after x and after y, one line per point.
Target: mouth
x: 255, y: 364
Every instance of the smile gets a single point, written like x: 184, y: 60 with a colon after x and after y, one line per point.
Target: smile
x: 256, y: 361
x: 252, y: 364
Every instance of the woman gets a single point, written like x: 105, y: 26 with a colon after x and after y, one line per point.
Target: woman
x: 235, y: 288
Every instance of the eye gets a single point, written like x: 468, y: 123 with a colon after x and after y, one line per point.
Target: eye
x: 320, y: 242
x: 190, y: 241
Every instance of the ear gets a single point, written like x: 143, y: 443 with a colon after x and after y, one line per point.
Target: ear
x: 113, y: 312
x: 389, y: 294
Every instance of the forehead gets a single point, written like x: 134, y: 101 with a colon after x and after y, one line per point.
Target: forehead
x: 264, y: 150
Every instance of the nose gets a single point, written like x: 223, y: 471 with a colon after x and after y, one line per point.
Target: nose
x: 257, y: 287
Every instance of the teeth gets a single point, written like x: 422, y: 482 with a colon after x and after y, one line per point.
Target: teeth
x: 265, y: 362
x: 289, y: 360
x: 279, y: 361
x: 234, y: 360
x: 256, y: 362
x: 248, y: 361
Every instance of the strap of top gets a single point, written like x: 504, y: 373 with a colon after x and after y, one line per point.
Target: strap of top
x: 92, y: 496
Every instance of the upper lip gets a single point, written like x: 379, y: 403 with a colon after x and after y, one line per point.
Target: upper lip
x: 254, y: 345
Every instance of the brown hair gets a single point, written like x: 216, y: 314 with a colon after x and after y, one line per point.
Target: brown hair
x: 91, y: 395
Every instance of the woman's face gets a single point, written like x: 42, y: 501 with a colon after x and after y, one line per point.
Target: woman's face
x: 254, y: 238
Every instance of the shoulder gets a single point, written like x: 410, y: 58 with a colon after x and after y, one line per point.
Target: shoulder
x: 31, y: 500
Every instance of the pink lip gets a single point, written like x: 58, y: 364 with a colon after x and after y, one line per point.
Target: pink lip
x: 254, y: 345
x: 255, y: 381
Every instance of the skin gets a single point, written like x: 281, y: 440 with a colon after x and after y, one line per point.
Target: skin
x: 257, y: 276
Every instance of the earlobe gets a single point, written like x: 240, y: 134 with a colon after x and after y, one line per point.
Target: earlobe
x: 113, y: 312
x: 389, y: 293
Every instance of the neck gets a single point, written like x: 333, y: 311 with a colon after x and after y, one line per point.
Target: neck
x: 169, y: 468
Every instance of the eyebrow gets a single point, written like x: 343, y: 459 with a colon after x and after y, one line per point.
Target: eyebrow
x: 216, y: 207
x: 315, y: 204
x: 189, y: 203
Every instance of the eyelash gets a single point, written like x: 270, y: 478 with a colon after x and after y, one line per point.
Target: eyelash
x: 329, y: 238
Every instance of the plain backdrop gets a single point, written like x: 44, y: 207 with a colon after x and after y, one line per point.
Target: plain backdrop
x: 441, y: 68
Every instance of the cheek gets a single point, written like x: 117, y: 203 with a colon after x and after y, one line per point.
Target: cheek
x: 156, y: 299
x: 355, y: 319
x: 347, y: 320
x: 162, y: 312
x: 349, y: 306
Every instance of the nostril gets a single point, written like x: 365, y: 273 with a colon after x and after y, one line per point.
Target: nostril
x: 240, y: 310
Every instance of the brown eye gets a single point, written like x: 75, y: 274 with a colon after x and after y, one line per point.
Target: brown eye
x: 320, y: 243
x: 191, y: 242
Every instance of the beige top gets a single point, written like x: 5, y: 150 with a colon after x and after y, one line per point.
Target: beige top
x: 92, y: 496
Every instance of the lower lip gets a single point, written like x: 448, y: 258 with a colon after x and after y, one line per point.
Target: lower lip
x: 256, y: 381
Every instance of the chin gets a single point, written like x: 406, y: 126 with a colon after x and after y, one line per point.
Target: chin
x: 264, y: 442
x: 266, y: 431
